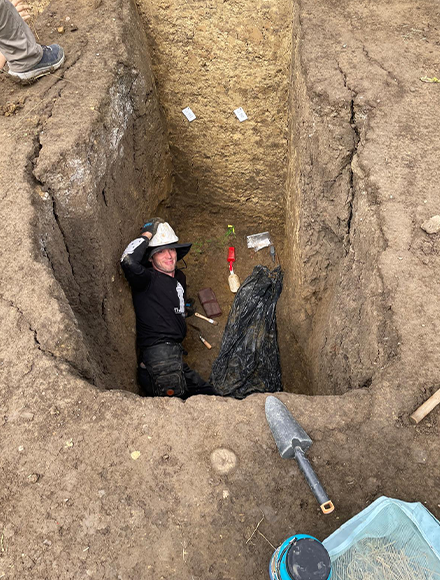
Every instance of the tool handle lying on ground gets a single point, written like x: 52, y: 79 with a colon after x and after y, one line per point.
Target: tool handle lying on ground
x: 205, y: 342
x: 426, y: 408
x: 214, y: 322
x: 312, y: 479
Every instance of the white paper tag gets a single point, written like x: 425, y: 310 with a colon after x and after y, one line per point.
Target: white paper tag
x: 189, y: 114
x: 240, y: 114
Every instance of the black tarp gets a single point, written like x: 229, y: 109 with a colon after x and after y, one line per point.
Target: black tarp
x: 249, y: 360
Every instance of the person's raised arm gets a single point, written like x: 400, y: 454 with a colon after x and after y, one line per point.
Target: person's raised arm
x: 136, y: 273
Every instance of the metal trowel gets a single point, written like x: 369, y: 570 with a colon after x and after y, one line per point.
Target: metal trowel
x: 293, y: 441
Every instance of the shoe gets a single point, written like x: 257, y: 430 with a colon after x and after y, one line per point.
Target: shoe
x: 52, y: 59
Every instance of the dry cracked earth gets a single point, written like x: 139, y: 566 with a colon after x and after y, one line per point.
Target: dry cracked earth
x: 338, y: 160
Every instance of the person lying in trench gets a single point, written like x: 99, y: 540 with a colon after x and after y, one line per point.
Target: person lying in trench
x: 158, y: 290
x: 27, y: 60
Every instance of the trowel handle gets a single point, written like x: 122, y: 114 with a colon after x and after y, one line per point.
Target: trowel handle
x: 205, y: 342
x: 312, y: 479
x: 214, y: 322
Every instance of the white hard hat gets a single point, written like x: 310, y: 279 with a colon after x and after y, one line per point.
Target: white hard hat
x: 164, y: 235
x: 165, y: 238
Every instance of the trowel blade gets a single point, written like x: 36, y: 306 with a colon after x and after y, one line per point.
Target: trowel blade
x: 287, y: 432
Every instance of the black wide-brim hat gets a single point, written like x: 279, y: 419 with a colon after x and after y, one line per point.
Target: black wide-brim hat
x: 181, y: 249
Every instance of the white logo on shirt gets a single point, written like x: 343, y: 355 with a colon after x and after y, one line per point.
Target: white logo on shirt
x: 180, y: 292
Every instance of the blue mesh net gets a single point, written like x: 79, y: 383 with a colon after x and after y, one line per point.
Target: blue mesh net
x: 390, y: 540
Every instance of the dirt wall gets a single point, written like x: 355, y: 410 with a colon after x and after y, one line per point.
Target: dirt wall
x: 215, y: 57
x: 336, y: 299
x: 94, y: 184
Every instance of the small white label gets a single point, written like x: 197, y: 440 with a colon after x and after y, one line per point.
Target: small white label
x: 240, y: 114
x: 189, y: 114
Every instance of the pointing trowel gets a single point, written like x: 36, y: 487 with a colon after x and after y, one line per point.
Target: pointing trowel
x: 205, y: 342
x: 293, y: 441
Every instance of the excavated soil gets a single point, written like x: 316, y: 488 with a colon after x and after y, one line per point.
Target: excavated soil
x: 338, y: 160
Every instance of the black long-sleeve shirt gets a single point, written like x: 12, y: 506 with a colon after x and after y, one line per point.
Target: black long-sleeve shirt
x: 158, y: 299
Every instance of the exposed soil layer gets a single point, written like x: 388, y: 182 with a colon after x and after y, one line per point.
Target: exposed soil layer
x: 361, y: 149
x: 215, y: 57
x: 87, y: 154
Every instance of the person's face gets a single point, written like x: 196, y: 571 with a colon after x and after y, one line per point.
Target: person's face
x: 165, y: 261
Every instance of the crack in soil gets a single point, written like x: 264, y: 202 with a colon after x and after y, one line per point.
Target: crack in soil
x: 34, y: 331
x: 350, y: 199
x: 353, y: 152
x: 47, y: 190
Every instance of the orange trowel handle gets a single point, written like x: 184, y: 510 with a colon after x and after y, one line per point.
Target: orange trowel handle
x: 205, y: 342
x: 327, y: 507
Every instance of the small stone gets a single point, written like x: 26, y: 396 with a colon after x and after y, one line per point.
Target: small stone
x: 432, y: 226
x: 33, y: 478
x: 21, y: 448
x: 60, y: 29
x: 223, y: 460
x: 47, y: 542
x: 214, y: 482
x: 27, y: 416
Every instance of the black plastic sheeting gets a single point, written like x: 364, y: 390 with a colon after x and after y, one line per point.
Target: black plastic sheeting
x: 249, y: 360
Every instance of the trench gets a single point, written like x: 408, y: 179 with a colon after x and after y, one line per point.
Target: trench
x: 286, y: 169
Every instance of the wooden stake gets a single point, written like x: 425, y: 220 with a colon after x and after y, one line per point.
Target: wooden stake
x: 426, y: 408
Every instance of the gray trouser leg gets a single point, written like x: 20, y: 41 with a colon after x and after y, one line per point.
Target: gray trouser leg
x: 17, y: 43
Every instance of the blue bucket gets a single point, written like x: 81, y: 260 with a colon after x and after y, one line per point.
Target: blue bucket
x: 300, y: 557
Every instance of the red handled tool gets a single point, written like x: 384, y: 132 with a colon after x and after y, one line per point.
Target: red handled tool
x: 234, y: 281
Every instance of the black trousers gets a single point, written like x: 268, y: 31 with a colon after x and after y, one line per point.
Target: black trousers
x: 162, y: 373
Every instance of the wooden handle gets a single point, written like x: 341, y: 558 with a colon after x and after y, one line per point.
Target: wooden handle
x: 214, y: 322
x: 205, y: 342
x: 426, y: 408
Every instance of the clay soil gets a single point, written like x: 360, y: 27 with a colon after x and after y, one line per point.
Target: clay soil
x: 97, y: 482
